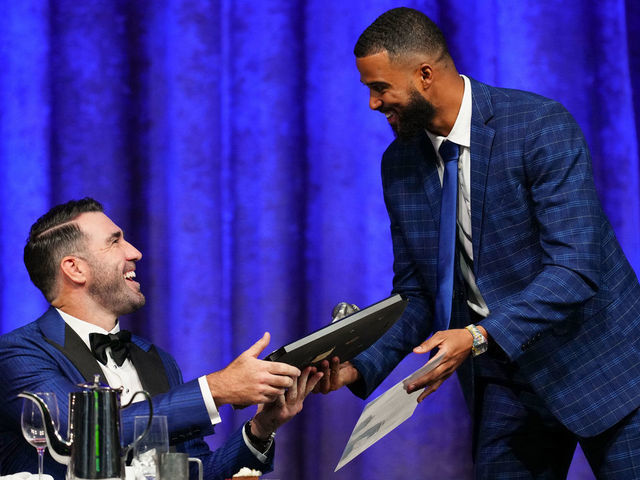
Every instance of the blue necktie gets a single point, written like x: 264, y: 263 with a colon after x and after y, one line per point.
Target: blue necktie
x: 447, y: 238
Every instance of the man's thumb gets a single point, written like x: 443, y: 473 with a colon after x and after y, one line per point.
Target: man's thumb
x: 257, y: 348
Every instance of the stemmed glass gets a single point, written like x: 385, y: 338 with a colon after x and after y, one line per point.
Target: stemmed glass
x: 33, y: 428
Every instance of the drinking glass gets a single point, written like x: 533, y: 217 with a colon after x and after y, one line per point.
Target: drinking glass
x: 148, y: 450
x: 32, y: 423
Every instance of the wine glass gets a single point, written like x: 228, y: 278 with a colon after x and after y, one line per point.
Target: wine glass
x: 33, y: 428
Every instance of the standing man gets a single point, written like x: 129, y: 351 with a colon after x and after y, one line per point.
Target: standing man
x: 85, y: 268
x: 517, y: 274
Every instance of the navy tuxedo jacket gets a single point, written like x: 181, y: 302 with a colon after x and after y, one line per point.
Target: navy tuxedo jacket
x: 564, y: 301
x: 47, y: 356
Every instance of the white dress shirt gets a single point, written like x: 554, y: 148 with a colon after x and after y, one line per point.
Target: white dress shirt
x: 126, y: 376
x: 461, y: 135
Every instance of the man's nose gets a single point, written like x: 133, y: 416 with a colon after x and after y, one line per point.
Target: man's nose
x: 374, y: 102
x: 133, y: 253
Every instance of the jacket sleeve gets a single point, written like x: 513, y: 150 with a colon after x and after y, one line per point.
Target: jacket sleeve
x: 567, y: 213
x: 189, y: 421
x: 415, y: 324
x: 227, y: 459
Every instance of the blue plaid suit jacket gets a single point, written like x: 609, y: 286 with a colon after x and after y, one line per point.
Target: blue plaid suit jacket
x: 564, y: 301
x: 30, y: 361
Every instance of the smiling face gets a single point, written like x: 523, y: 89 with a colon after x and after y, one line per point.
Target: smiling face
x: 393, y: 91
x: 111, y: 260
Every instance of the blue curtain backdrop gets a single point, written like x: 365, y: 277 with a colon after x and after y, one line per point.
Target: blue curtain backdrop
x: 233, y: 142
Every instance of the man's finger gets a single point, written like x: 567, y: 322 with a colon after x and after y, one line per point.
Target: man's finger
x: 421, y: 382
x: 278, y: 381
x: 302, y: 382
x: 335, y: 373
x: 257, y: 348
x: 312, y: 382
x: 279, y: 368
x: 271, y: 394
x: 335, y: 363
x: 427, y: 345
x: 294, y: 392
x: 429, y: 390
x: 426, y: 379
x: 324, y: 386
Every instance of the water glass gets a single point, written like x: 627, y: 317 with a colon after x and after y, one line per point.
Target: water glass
x: 148, y: 450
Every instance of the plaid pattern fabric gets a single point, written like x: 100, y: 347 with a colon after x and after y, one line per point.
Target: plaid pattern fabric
x: 564, y: 301
x: 29, y: 362
x: 540, y: 447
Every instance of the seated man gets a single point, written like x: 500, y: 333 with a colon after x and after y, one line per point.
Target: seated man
x: 85, y: 268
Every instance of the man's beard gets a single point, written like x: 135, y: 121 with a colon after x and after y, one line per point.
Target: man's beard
x: 109, y: 290
x: 414, y: 118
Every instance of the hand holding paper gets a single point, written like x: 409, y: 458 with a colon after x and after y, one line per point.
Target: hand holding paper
x: 383, y: 414
x: 454, y: 346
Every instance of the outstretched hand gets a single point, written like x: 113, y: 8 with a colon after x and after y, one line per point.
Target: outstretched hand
x: 272, y: 415
x: 248, y: 380
x: 454, y: 346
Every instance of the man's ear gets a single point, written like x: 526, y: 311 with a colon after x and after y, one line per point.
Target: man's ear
x: 74, y: 269
x: 425, y: 74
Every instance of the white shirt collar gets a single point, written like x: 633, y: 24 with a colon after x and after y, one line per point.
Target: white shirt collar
x: 461, y: 131
x: 83, y: 329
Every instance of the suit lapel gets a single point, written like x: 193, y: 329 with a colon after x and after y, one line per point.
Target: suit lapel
x: 481, y: 143
x: 144, y: 355
x: 60, y: 335
x: 430, y: 179
x: 149, y: 366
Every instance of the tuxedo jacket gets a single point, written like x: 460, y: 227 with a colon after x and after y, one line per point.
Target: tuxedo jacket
x: 564, y: 301
x: 48, y: 356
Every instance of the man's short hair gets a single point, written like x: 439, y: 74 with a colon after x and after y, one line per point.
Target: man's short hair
x: 51, y: 238
x: 401, y: 31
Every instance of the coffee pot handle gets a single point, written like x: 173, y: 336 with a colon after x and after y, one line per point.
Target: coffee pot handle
x: 146, y: 430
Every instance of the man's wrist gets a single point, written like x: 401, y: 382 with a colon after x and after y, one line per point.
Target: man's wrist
x: 214, y: 388
x: 480, y: 339
x: 483, y: 331
x: 259, y: 437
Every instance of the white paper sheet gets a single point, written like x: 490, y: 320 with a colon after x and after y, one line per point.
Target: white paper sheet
x: 383, y: 414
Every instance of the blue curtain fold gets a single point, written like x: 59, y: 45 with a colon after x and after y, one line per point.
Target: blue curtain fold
x: 233, y: 142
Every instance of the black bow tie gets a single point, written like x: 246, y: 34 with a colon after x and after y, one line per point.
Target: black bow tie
x: 118, y: 342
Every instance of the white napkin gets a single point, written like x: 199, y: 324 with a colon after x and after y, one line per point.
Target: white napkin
x: 25, y: 476
x: 130, y: 475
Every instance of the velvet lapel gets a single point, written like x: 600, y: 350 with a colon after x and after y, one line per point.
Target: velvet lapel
x: 144, y: 356
x: 61, y: 336
x: 481, y: 144
x: 150, y: 368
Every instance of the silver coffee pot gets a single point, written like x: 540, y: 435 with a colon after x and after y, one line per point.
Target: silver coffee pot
x: 93, y: 450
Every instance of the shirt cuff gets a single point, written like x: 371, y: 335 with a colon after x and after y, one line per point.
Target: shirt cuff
x: 262, y: 456
x: 212, y: 410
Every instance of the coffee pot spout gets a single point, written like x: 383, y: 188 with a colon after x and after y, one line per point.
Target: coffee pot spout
x: 60, y: 449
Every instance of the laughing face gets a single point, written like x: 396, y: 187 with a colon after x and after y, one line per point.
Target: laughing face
x: 111, y: 259
x: 393, y: 92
